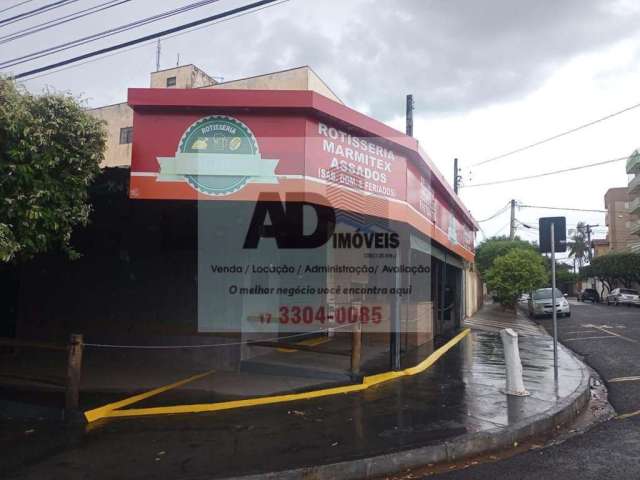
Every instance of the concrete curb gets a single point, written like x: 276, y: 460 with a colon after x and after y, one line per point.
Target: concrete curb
x: 455, y: 449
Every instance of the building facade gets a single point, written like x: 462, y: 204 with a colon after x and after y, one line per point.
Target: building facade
x: 633, y: 169
x: 241, y: 153
x: 259, y: 209
x: 119, y: 117
x: 619, y: 219
x: 600, y: 247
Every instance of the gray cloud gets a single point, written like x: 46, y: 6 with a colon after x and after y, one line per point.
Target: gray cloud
x: 452, y: 55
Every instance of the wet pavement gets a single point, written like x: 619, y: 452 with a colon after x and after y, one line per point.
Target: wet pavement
x: 609, y: 450
x: 462, y: 393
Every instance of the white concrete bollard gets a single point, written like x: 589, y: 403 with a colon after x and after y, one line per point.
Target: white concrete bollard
x: 515, y: 384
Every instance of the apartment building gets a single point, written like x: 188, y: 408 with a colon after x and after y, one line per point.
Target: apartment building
x: 119, y: 116
x: 633, y: 168
x: 619, y: 219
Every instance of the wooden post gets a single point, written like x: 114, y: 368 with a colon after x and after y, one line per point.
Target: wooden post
x: 74, y: 367
x: 356, y: 347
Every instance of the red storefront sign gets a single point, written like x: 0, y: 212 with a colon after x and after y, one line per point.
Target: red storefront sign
x: 238, y: 144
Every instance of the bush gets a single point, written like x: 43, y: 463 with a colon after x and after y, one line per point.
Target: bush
x: 50, y: 151
x: 492, y: 248
x: 520, y: 270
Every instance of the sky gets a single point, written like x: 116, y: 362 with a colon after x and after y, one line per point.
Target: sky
x: 487, y: 77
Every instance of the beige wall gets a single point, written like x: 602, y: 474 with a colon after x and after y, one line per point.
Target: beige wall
x: 316, y: 84
x: 187, y: 76
x: 302, y: 78
x: 618, y: 219
x: 600, y: 248
x: 473, y: 290
x: 116, y: 117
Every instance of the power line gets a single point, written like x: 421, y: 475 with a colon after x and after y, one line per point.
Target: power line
x: 530, y: 226
x: 61, y: 20
x: 16, y: 5
x: 554, y: 137
x: 106, y: 33
x: 545, y: 174
x: 36, y: 11
x: 563, y: 208
x: 502, y: 210
x: 152, y: 36
x: 144, y: 44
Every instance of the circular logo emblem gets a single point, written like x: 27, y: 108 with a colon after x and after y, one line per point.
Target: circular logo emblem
x: 218, y: 134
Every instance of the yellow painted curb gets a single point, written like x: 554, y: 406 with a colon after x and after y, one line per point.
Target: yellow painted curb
x: 101, y: 412
x: 311, y: 342
x: 628, y: 415
x: 112, y: 410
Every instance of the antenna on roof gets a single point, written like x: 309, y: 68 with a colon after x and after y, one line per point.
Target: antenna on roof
x: 158, y: 56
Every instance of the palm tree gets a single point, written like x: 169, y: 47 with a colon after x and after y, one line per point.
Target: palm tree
x: 578, y: 247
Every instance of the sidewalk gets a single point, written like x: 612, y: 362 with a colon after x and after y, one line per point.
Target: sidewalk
x: 453, y: 409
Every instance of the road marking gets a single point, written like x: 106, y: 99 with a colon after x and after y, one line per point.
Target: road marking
x: 616, y: 334
x: 627, y: 415
x: 579, y: 331
x: 625, y: 379
x: 100, y: 412
x: 586, y: 338
x: 112, y: 410
x: 498, y: 325
x: 495, y: 324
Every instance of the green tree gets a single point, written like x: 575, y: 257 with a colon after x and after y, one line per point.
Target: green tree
x: 494, y: 247
x: 50, y: 151
x: 564, y: 273
x: 614, y: 269
x: 578, y: 248
x: 520, y: 270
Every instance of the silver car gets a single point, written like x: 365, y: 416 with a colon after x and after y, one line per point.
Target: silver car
x: 623, y: 296
x: 540, y: 304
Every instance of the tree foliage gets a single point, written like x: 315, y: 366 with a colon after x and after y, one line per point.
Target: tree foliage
x: 563, y: 273
x: 520, y: 270
x: 614, y: 269
x: 494, y: 247
x: 50, y: 151
x: 578, y: 247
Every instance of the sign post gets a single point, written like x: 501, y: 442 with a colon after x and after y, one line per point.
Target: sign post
x: 553, y: 302
x: 553, y: 238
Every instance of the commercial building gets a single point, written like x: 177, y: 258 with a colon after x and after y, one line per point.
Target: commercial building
x: 260, y: 209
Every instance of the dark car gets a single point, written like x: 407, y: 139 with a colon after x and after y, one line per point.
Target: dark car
x: 589, y: 295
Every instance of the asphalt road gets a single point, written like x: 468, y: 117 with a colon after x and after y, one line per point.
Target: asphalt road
x: 609, y: 340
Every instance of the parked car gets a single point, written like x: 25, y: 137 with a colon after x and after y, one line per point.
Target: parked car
x: 540, y: 304
x: 623, y: 296
x: 589, y: 295
x: 524, y: 298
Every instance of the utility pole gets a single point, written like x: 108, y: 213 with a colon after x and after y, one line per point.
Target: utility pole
x: 512, y: 228
x: 394, y: 334
x: 409, y: 120
x: 589, y: 252
x: 158, y: 56
x: 456, y: 176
